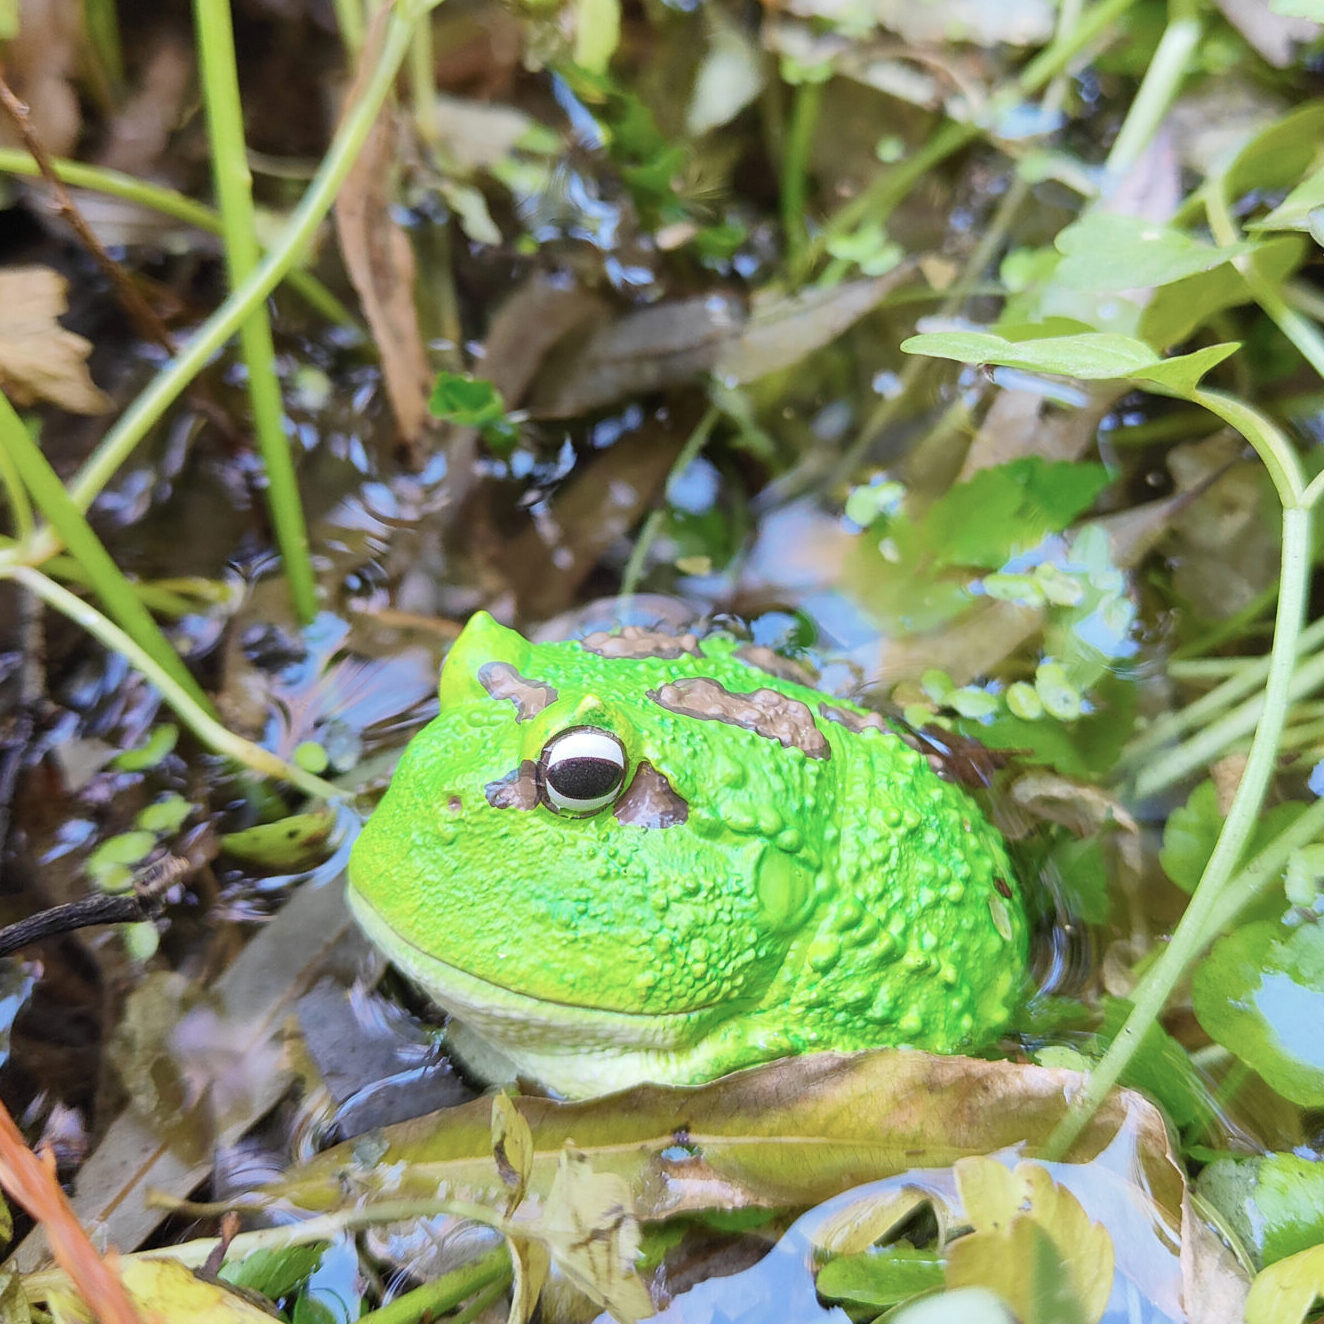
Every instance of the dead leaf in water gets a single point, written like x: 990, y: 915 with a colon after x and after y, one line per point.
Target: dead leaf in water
x: 39, y: 359
x: 792, y: 1133
x: 590, y: 1228
x: 677, y: 341
x: 380, y: 263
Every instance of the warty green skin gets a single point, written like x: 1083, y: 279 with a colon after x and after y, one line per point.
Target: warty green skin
x: 805, y: 903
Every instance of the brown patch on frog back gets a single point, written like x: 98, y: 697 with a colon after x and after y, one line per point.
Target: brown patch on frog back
x: 767, y: 713
x: 634, y: 641
x: 650, y: 801
x: 502, y: 681
x: 784, y: 668
x: 859, y: 723
x: 518, y: 789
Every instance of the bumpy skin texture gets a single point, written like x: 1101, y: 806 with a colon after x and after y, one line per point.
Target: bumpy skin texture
x: 780, y: 873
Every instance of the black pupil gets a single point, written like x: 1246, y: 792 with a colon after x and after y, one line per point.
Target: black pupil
x: 583, y: 777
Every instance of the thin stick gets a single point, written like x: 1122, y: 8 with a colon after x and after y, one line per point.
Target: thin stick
x: 140, y: 312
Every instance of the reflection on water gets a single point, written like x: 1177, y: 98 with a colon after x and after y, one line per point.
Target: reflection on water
x: 1147, y: 1285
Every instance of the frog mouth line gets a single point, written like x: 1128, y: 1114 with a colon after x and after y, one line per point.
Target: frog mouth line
x: 506, y: 1014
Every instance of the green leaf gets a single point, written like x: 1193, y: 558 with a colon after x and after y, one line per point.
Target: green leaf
x: 1081, y: 875
x: 309, y: 1310
x: 1177, y: 310
x: 1279, y: 156
x: 109, y: 865
x: 1087, y: 748
x: 880, y: 1277
x: 1089, y: 356
x: 1260, y: 993
x: 273, y: 1273
x: 1275, y: 1204
x: 1181, y: 374
x: 1189, y: 836
x: 164, y: 815
x: 1009, y: 508
x: 1293, y: 212
x: 159, y: 743
x: 1106, y: 251
x: 1284, y: 1292
x: 1192, y: 830
x: 289, y: 843
x: 597, y: 33
x: 466, y: 400
x: 473, y: 402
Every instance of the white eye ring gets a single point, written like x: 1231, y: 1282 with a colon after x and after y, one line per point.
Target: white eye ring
x: 583, y: 769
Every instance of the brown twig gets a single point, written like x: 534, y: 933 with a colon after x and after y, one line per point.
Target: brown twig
x: 151, y: 882
x: 31, y: 1182
x: 140, y: 312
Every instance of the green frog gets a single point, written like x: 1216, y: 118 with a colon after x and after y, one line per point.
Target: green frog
x: 643, y: 857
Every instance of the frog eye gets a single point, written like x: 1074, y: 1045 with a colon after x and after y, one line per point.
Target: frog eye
x: 583, y: 769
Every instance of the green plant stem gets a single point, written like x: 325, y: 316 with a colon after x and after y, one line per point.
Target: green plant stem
x: 476, y: 1308
x: 220, y: 90
x: 694, y: 443
x: 1249, y: 677
x: 16, y: 495
x: 423, y: 83
x: 1302, y: 735
x: 1194, y: 930
x: 1302, y: 332
x: 116, y: 184
x: 1266, y: 868
x: 193, y: 714
x: 148, y: 409
x: 490, y: 1275
x: 349, y: 19
x: 1211, y: 741
x: 878, y: 199
x: 1158, y: 89
x: 1236, y: 626
x: 795, y: 165
x: 1209, y: 668
x: 105, y: 577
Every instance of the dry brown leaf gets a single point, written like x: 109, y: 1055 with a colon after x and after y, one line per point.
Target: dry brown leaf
x: 682, y: 339
x: 1020, y: 423
x: 590, y: 1228
x: 1214, y: 1285
x: 1275, y: 36
x: 39, y: 359
x: 380, y: 263
x: 792, y: 1133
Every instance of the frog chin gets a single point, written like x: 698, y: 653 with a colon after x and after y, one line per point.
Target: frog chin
x: 574, y: 1050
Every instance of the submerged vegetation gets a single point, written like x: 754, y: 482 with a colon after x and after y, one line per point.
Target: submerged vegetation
x: 970, y: 355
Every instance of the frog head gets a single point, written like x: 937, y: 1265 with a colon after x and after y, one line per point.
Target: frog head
x: 577, y: 857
